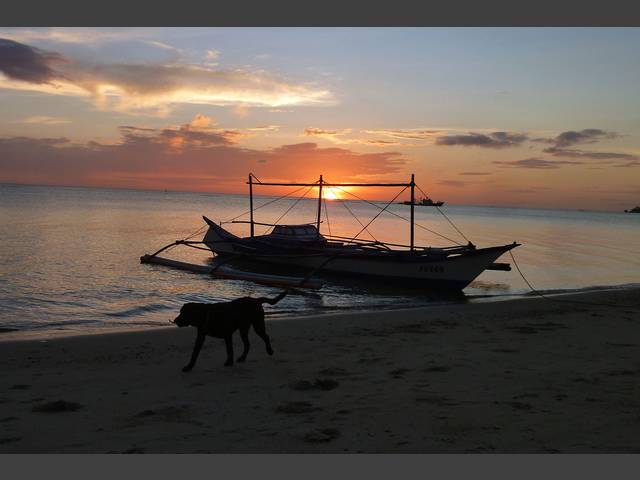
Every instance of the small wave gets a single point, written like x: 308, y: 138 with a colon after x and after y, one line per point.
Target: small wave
x: 8, y: 329
x: 131, y: 312
x: 594, y: 288
x: 555, y: 291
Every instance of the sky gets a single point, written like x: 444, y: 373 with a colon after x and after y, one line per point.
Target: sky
x: 527, y: 117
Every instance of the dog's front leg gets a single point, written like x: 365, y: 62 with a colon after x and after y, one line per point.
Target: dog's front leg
x: 228, y: 340
x: 196, y: 352
x: 244, y: 335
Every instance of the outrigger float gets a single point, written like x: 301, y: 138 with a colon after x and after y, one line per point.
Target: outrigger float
x: 305, y: 249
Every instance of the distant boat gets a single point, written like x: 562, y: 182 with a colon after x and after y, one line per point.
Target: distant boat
x: 425, y: 202
x: 633, y: 210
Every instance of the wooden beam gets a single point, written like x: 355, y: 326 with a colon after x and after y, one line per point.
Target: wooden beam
x: 334, y: 184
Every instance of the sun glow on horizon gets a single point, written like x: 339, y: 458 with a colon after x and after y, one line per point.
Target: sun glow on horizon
x: 330, y: 194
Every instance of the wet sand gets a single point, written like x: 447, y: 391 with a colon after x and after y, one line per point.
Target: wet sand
x: 527, y: 375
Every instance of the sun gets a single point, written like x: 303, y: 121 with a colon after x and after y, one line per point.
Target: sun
x: 329, y: 193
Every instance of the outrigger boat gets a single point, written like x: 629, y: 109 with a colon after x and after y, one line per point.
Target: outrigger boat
x: 305, y: 247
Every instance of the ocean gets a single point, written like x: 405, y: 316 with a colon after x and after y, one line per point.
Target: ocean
x: 69, y: 256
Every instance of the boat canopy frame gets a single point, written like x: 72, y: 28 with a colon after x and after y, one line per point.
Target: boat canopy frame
x: 320, y: 183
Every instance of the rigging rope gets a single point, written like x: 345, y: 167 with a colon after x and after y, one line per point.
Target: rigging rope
x: 289, y: 209
x: 253, y: 175
x: 399, y: 216
x: 336, y: 255
x: 264, y: 205
x: 377, y: 215
x: 357, y: 219
x: 326, y: 214
x: 445, y: 216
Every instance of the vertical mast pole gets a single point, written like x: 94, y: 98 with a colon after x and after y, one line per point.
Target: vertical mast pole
x: 319, y: 206
x: 251, y: 202
x: 413, y: 200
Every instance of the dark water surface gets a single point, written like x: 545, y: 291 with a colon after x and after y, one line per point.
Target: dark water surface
x: 69, y: 257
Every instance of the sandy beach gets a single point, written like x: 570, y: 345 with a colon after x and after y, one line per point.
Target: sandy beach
x: 525, y: 375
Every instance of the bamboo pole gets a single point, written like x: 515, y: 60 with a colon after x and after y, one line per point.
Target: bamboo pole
x: 319, y: 206
x: 413, y: 201
x: 251, y: 203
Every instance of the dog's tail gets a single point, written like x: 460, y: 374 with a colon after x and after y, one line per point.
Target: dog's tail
x: 272, y: 301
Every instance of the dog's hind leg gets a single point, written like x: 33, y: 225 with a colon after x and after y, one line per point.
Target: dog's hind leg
x: 196, y: 351
x: 244, y: 334
x: 228, y: 340
x: 261, y: 331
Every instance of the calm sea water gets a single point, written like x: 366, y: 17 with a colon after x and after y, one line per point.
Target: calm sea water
x: 69, y: 257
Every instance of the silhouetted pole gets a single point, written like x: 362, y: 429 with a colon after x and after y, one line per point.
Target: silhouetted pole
x: 251, y: 202
x: 319, y: 206
x: 413, y: 199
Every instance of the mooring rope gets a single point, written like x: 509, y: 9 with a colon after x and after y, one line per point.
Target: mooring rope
x: 561, y: 300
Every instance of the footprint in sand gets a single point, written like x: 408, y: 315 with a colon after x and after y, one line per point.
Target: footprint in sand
x: 437, y: 368
x: 333, y: 371
x: 399, y: 372
x: 57, y: 406
x: 9, y: 440
x: 321, y: 435
x: 324, y: 384
x: 296, y: 407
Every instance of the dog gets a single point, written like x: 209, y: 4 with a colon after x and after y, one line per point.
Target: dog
x: 222, y: 319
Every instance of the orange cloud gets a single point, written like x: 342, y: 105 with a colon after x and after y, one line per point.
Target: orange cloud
x: 193, y: 156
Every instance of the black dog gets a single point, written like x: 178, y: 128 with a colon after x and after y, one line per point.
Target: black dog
x: 220, y: 320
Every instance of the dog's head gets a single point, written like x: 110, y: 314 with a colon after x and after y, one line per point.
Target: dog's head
x: 186, y: 315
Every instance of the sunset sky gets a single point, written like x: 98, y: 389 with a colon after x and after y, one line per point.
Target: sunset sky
x: 526, y: 117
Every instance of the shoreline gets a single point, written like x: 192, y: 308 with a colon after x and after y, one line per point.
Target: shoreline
x: 44, y: 334
x: 526, y: 375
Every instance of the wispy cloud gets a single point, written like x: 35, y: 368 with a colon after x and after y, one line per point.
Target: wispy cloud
x: 628, y: 165
x: 265, y: 128
x: 212, y: 54
x: 576, y: 137
x: 380, y: 143
x: 535, y: 163
x: 590, y: 154
x: 200, y: 132
x: 413, y: 134
x: 453, y: 183
x: 341, y: 136
x: 81, y: 36
x: 322, y: 132
x: 44, y: 120
x: 140, y: 86
x: 474, y: 173
x: 490, y: 140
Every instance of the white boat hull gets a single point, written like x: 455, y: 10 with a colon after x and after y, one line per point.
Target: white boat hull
x: 452, y: 272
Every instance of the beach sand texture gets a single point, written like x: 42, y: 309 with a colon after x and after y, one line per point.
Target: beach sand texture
x: 526, y: 375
